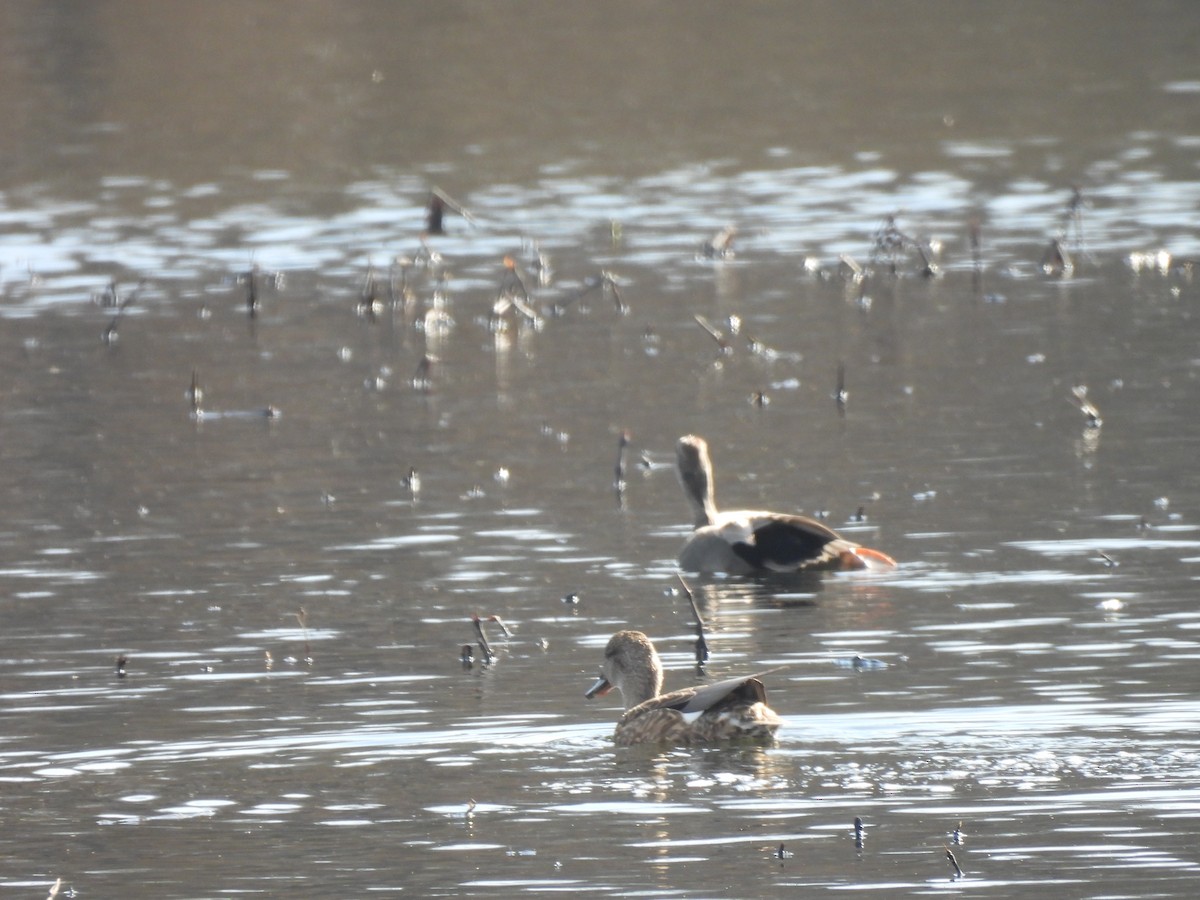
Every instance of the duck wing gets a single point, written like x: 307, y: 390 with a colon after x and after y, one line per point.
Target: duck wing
x: 788, y: 543
x: 689, y: 701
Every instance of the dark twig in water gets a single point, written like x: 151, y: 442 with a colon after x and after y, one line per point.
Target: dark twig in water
x: 1085, y: 406
x: 890, y: 241
x: 619, y: 468
x: 267, y: 412
x: 856, y: 276
x: 195, y: 393
x: 400, y: 292
x: 720, y: 245
x: 111, y: 297
x: 701, y: 645
x: 757, y: 347
x: 850, y: 264
x: 439, y: 202
x: 434, y: 213
x: 863, y: 301
x: 958, y: 872
x: 929, y: 267
x: 723, y: 346
x: 426, y: 257
x: 422, y: 379
x: 302, y: 620
x: 975, y: 239
x: 249, y: 279
x: 412, y: 481
x: 1057, y: 261
x: 1073, y: 217
x: 511, y: 294
x: 608, y: 285
x: 613, y: 288
x: 484, y: 648
x: 539, y: 262
x: 369, y: 302
x: 504, y: 629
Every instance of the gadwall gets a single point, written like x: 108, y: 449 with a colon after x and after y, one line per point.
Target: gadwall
x: 727, y: 710
x: 745, y: 541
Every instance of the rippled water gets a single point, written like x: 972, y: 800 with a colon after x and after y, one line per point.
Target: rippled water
x: 295, y: 715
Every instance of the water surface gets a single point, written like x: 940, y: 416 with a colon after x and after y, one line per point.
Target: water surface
x: 295, y: 716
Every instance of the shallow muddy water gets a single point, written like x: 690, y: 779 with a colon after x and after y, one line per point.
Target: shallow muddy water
x: 295, y: 716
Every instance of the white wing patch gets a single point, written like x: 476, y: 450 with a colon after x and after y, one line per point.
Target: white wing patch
x: 738, y: 528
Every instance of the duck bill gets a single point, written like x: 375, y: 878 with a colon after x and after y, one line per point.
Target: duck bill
x: 599, y: 689
x: 873, y: 559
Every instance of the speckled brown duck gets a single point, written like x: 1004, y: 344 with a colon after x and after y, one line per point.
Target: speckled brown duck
x: 747, y: 541
x: 733, y: 709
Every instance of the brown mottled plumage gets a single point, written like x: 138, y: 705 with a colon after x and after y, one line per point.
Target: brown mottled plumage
x: 745, y: 541
x: 732, y: 709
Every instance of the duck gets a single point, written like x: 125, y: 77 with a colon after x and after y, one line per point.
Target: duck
x: 746, y: 541
x: 734, y: 709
